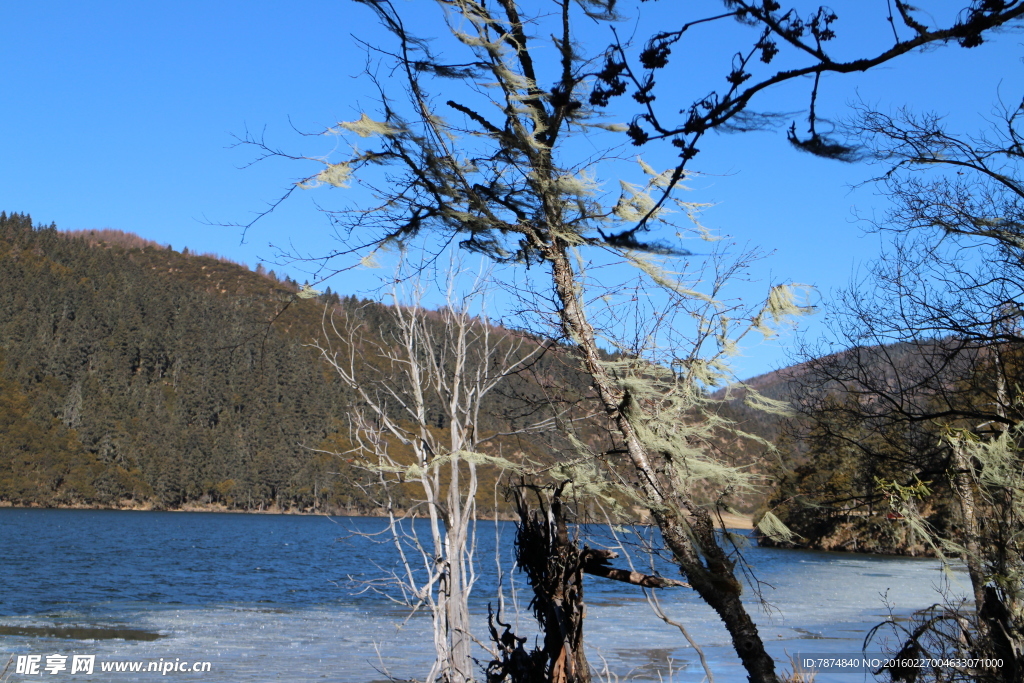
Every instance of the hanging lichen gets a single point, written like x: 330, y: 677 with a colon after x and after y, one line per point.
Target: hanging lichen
x: 364, y: 127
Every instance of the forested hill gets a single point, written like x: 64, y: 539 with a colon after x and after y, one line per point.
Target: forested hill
x: 867, y: 435
x: 134, y: 375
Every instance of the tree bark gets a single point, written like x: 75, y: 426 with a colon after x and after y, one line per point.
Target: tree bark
x: 553, y: 564
x: 714, y: 578
x: 595, y: 562
x: 965, y: 497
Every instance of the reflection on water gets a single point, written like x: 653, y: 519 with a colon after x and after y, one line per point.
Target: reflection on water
x: 273, y: 597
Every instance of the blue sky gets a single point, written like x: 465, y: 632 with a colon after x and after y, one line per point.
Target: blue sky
x: 122, y: 115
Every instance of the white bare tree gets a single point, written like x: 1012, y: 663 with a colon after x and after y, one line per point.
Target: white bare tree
x: 422, y: 381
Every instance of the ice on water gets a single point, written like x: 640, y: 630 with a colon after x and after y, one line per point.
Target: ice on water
x: 266, y: 598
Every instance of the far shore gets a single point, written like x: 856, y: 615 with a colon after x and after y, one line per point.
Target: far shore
x: 732, y: 521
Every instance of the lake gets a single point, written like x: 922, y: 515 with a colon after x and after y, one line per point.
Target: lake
x: 277, y: 598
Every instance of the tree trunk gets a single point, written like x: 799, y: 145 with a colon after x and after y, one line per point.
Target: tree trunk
x: 457, y: 629
x: 714, y: 579
x: 553, y: 564
x: 969, y: 518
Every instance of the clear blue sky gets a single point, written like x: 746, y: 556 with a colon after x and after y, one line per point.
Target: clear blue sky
x: 121, y: 115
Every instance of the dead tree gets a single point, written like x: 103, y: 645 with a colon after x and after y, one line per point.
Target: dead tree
x: 417, y: 425
x: 554, y: 564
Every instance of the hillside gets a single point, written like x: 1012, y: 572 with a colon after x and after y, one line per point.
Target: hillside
x: 132, y: 375
x: 867, y: 439
x: 827, y: 476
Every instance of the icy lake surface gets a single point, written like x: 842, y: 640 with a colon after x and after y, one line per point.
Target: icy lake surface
x: 271, y: 598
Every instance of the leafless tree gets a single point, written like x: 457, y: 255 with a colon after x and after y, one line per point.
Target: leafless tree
x: 933, y: 379
x: 422, y: 392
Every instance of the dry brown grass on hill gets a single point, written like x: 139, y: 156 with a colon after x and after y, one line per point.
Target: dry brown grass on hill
x: 128, y: 240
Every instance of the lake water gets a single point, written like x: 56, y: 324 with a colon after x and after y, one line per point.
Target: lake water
x: 272, y: 598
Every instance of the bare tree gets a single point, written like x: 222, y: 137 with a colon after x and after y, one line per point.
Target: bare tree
x: 549, y: 552
x: 933, y: 380
x: 420, y: 422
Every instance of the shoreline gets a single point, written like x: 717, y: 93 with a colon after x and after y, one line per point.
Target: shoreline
x: 732, y: 521
x: 745, y: 522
